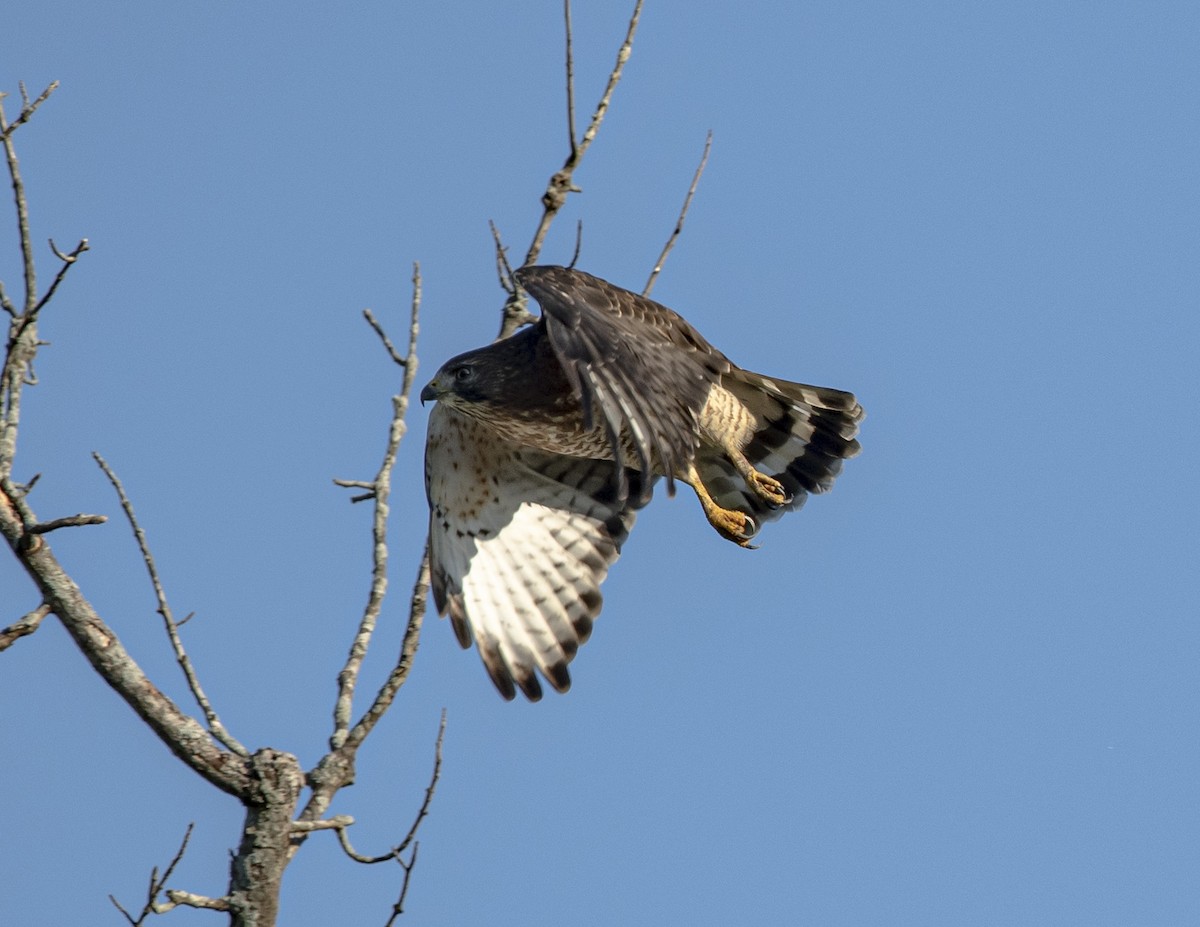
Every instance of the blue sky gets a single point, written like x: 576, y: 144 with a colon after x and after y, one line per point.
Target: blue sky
x: 962, y: 688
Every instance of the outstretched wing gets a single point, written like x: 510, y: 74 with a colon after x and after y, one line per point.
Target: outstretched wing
x: 520, y: 541
x: 632, y: 362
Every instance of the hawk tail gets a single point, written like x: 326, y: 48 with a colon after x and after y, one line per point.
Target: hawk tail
x: 801, y: 436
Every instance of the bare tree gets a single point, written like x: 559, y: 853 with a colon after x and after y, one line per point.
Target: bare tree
x: 284, y: 803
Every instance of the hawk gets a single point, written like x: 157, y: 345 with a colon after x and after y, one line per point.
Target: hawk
x: 543, y: 446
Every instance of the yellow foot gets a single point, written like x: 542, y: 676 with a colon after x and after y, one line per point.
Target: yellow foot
x: 731, y: 525
x: 769, y: 489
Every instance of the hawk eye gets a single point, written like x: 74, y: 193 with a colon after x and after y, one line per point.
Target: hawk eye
x: 463, y: 374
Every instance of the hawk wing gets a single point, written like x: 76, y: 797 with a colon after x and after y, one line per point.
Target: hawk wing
x: 520, y: 541
x: 633, y: 362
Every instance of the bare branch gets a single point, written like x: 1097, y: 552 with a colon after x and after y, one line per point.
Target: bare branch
x: 358, y: 484
x: 22, y: 335
x: 678, y: 230
x: 503, y: 269
x: 348, y: 849
x: 172, y: 627
x: 71, y: 521
x: 433, y: 781
x: 27, y: 108
x: 572, y: 140
x: 515, y: 314
x: 181, y: 733
x: 614, y: 77
x: 341, y: 823
x: 387, y: 342
x: 333, y: 823
x: 152, y: 905
x: 190, y: 900
x: 408, y: 650
x: 354, y: 484
x: 380, y: 492
x: 336, y: 768
x: 24, y: 627
x: 398, y: 907
x: 68, y: 261
x: 578, y: 242
x: 561, y: 183
x: 18, y: 185
x: 5, y: 303
x: 120, y: 907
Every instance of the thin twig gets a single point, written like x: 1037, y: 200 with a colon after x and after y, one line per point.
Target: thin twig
x: 23, y: 342
x: 432, y: 787
x: 67, y: 261
x: 348, y: 849
x: 216, y: 728
x: 515, y: 313
x: 408, y: 650
x: 380, y: 491
x: 503, y: 269
x: 336, y: 768
x: 571, y: 139
x: 180, y: 732
x: 678, y: 230
x: 157, y: 883
x: 358, y: 484
x: 342, y: 823
x: 387, y: 342
x: 18, y: 185
x: 23, y: 627
x: 398, y: 907
x: 561, y: 183
x: 578, y: 242
x: 27, y: 108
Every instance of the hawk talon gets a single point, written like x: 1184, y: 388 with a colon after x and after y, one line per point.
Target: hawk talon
x: 733, y: 526
x: 769, y: 489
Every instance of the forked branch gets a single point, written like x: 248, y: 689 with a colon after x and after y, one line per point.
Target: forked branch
x: 342, y: 823
x: 562, y: 182
x: 379, y: 491
x: 157, y: 885
x: 169, y: 623
x: 26, y: 535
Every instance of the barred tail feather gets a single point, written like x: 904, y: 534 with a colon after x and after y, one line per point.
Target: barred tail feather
x: 801, y: 436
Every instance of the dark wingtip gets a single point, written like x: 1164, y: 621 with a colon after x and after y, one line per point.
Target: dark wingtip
x: 530, y: 686
x: 558, y: 676
x: 504, y: 685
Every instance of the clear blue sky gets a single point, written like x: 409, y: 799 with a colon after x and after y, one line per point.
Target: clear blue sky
x: 961, y: 689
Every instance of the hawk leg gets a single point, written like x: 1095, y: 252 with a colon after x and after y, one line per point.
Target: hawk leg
x: 767, y: 488
x: 733, y: 526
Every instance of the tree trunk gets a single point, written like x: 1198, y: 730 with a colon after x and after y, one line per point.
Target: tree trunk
x: 256, y: 873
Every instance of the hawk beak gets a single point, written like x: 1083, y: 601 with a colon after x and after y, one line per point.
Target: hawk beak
x: 430, y: 392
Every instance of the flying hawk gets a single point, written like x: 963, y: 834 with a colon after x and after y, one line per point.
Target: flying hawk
x: 543, y: 446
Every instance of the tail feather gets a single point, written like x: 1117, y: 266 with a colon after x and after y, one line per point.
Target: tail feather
x: 801, y: 436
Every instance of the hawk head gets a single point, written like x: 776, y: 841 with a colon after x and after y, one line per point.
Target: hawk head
x: 462, y: 380
x: 506, y: 378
